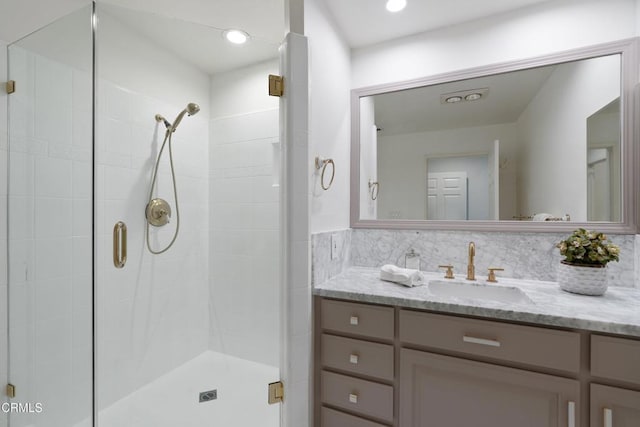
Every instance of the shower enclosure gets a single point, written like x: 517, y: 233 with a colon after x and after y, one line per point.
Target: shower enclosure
x: 187, y: 337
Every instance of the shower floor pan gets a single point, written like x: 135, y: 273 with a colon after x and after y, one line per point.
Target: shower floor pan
x: 174, y: 399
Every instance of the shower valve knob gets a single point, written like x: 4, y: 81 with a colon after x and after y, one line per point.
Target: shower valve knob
x: 158, y: 212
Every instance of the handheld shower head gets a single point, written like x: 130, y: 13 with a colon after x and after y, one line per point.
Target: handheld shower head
x: 191, y: 110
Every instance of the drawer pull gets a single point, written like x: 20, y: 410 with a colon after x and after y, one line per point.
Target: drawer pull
x: 481, y: 341
x: 353, y: 359
x: 353, y: 398
x: 354, y: 320
x: 571, y: 416
x: 608, y: 417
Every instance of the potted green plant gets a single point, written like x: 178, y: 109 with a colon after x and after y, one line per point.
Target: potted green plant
x: 583, y: 269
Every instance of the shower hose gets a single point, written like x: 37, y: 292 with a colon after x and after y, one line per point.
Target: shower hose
x: 167, y: 137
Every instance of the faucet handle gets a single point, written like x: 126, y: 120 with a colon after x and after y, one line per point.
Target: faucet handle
x: 449, y: 273
x: 492, y: 274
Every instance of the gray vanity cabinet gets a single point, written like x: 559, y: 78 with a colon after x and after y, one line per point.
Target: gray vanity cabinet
x: 386, y: 366
x: 437, y: 390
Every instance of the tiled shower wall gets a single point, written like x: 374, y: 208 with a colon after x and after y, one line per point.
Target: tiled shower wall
x: 522, y: 255
x: 153, y: 314
x: 245, y: 217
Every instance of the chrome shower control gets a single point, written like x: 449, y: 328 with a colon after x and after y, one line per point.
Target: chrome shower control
x: 158, y: 212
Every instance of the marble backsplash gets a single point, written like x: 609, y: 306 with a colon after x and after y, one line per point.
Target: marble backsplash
x: 522, y: 255
x: 323, y: 267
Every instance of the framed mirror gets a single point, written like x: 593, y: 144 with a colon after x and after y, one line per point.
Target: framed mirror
x: 543, y: 144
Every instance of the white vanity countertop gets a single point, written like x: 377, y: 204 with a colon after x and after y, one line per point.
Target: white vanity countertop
x: 617, y: 311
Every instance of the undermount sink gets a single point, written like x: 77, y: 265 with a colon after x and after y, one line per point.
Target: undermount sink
x: 478, y: 291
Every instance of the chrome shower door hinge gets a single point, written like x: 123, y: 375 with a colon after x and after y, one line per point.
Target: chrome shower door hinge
x: 10, y: 86
x: 276, y: 85
x: 11, y: 390
x: 276, y: 392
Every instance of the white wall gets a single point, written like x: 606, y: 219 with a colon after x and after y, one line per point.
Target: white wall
x: 329, y: 109
x: 3, y: 231
x: 537, y: 30
x: 368, y: 159
x: 556, y: 121
x: 173, y: 79
x: 408, y: 152
x: 244, y: 203
x: 541, y: 29
x: 153, y: 315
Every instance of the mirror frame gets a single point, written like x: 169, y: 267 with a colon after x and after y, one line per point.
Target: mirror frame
x: 630, y: 161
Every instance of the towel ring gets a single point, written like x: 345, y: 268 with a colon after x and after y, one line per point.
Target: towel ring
x: 374, y: 188
x: 322, y: 164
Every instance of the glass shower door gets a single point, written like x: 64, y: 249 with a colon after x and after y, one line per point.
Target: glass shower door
x: 50, y: 225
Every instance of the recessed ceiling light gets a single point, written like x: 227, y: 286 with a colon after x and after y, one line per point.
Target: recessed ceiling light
x: 473, y: 96
x: 453, y: 99
x: 236, y: 36
x: 396, y: 5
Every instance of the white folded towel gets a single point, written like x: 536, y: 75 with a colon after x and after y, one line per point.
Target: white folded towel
x: 402, y: 276
x: 542, y: 217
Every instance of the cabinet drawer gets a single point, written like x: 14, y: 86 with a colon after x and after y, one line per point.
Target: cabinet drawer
x: 547, y: 348
x: 332, y: 418
x: 355, y: 395
x: 615, y: 358
x: 360, y: 319
x: 358, y: 356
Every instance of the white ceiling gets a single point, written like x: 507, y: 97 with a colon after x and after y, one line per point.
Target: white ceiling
x: 366, y: 22
x: 362, y: 22
x: 263, y: 19
x: 420, y: 109
x: 189, y: 29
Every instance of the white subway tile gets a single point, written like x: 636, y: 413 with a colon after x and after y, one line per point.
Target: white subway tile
x: 115, y: 136
x: 117, y: 102
x: 53, y: 218
x: 53, y: 101
x: 21, y: 174
x: 117, y: 183
x: 82, y: 180
x: 82, y: 257
x: 54, y: 258
x: 53, y: 178
x: 53, y: 298
x: 82, y: 90
x: 21, y: 218
x: 21, y: 262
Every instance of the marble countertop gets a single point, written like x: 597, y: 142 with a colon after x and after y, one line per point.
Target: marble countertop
x: 617, y: 311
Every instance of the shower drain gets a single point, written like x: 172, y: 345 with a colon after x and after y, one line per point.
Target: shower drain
x: 207, y: 396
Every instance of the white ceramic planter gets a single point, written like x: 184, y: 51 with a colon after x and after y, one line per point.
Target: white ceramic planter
x: 583, y: 280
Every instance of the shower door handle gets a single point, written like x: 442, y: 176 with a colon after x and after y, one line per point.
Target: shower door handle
x: 119, y: 244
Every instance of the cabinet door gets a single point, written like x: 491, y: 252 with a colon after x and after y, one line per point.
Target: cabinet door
x: 614, y: 407
x: 442, y: 391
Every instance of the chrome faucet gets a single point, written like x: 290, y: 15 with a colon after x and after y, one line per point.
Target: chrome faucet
x: 471, y: 269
